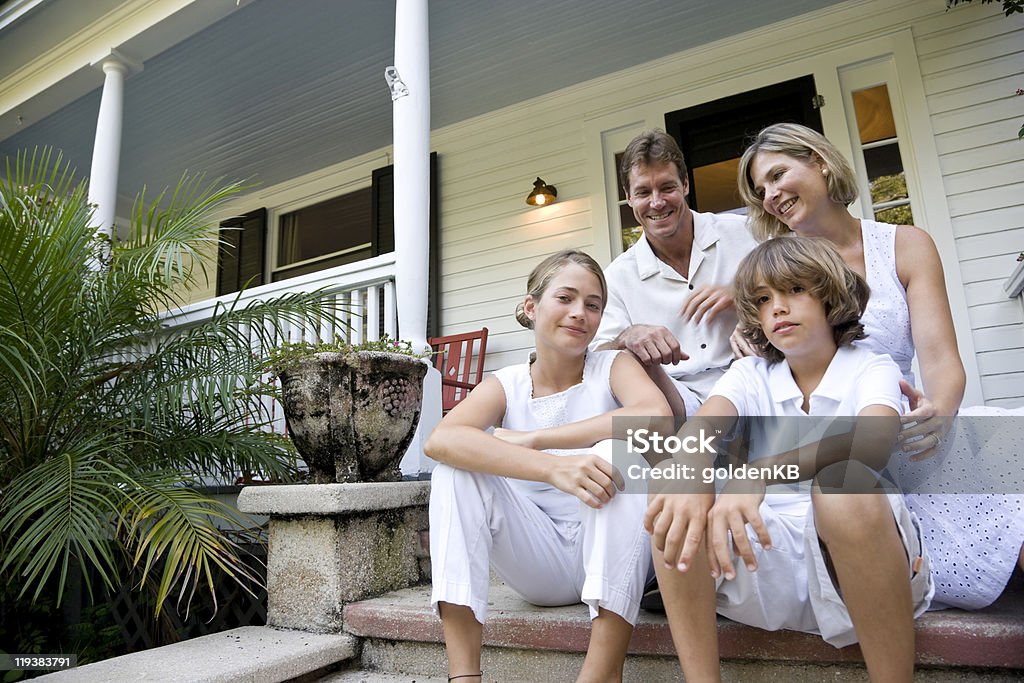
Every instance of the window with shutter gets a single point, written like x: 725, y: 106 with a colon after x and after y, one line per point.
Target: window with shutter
x: 344, y: 229
x: 241, y: 253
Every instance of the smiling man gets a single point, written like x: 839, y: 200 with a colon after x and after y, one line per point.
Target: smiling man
x: 670, y: 294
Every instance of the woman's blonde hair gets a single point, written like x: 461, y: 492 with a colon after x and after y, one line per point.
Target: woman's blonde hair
x: 545, y: 272
x: 812, y: 263
x: 799, y: 142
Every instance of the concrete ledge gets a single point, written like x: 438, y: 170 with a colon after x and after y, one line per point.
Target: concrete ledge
x: 992, y: 638
x: 255, y: 654
x: 332, y: 499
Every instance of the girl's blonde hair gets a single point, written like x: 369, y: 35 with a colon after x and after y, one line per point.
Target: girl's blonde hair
x: 799, y: 142
x: 545, y: 272
x: 812, y: 263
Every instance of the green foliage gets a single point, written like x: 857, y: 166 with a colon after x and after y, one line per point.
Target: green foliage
x: 1009, y: 6
x: 887, y: 188
x: 109, y: 419
x: 288, y: 354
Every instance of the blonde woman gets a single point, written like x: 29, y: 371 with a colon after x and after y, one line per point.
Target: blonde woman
x: 794, y: 180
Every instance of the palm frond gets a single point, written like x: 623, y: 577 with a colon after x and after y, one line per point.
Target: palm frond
x: 176, y: 528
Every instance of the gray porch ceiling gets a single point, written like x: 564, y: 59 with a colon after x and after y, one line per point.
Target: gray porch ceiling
x: 279, y: 88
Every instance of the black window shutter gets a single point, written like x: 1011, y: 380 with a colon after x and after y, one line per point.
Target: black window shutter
x: 383, y: 235
x: 241, y: 254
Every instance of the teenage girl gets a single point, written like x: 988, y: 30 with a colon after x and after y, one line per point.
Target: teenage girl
x: 536, y: 499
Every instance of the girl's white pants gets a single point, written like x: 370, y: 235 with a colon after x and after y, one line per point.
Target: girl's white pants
x: 600, y: 557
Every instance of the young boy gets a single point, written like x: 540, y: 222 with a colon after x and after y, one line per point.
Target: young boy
x: 849, y: 567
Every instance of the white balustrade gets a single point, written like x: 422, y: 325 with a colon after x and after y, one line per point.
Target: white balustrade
x: 364, y: 291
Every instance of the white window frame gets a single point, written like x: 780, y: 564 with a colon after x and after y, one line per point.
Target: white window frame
x: 880, y: 71
x: 308, y: 190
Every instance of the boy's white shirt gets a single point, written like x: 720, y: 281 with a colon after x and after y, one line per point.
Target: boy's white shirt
x: 855, y: 378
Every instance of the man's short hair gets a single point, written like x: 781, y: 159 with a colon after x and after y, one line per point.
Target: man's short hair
x: 651, y: 148
x: 813, y: 263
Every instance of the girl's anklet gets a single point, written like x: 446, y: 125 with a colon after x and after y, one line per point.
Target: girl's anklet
x: 452, y: 678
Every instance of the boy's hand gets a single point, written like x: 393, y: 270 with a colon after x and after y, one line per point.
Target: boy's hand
x: 738, y: 505
x: 676, y: 524
x: 590, y: 478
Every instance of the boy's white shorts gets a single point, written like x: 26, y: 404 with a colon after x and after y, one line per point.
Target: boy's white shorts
x: 792, y: 589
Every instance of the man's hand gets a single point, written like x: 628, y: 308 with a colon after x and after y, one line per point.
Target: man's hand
x: 924, y: 421
x: 738, y: 505
x: 676, y: 524
x: 652, y: 345
x: 707, y: 302
x: 590, y: 478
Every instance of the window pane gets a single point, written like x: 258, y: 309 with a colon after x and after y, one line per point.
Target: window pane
x: 631, y: 230
x: 897, y: 215
x: 715, y: 185
x: 883, y: 160
x: 889, y: 188
x: 322, y: 264
x: 874, y: 114
x: 325, y: 228
x: 618, y: 163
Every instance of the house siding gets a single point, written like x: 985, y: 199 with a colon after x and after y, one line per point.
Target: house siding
x: 970, y: 73
x: 967, y: 62
x: 970, y: 63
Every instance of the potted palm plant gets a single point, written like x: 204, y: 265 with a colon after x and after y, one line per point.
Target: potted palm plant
x: 351, y: 409
x: 111, y: 422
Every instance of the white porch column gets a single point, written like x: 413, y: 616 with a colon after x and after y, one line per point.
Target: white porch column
x: 412, y: 168
x: 410, y: 90
x: 106, y: 151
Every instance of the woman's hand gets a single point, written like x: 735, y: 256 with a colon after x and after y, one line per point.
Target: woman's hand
x: 738, y: 505
x: 924, y: 421
x: 741, y: 348
x: 527, y: 439
x: 590, y: 478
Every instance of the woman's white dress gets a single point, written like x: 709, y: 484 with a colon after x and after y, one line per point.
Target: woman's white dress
x: 968, y: 497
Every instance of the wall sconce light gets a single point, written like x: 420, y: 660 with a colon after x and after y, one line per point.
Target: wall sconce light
x: 542, y: 195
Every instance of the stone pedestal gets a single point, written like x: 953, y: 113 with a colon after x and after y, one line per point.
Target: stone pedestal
x: 331, y: 544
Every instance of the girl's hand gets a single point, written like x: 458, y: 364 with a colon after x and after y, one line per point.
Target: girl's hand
x: 923, y: 421
x: 676, y: 523
x: 741, y: 348
x: 526, y: 439
x: 590, y: 478
x: 738, y: 505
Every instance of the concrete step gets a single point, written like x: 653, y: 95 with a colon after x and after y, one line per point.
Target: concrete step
x: 362, y: 676
x: 255, y: 654
x: 527, y: 643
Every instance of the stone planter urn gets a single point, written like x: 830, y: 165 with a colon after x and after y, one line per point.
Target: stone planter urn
x: 352, y: 415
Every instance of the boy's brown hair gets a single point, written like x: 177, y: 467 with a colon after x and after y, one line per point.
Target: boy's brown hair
x: 812, y: 263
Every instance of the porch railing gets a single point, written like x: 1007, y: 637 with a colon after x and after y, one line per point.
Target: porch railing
x: 364, y: 291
